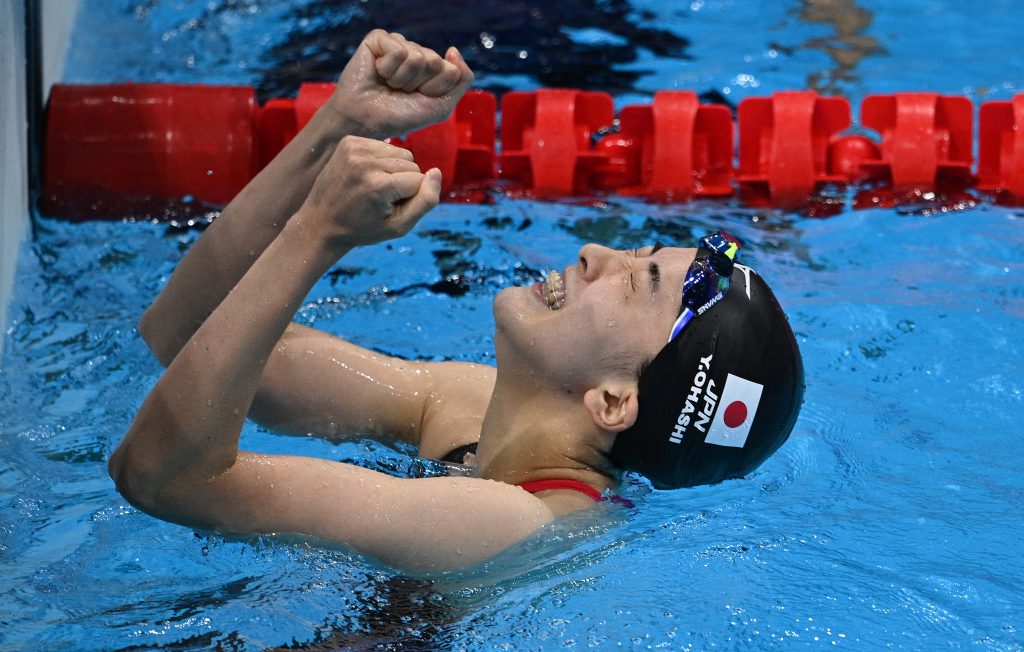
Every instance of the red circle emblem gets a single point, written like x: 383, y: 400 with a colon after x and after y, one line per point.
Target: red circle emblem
x: 735, y: 414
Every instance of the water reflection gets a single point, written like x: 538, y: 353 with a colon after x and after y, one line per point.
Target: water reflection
x: 396, y: 613
x: 847, y: 47
x: 576, y: 43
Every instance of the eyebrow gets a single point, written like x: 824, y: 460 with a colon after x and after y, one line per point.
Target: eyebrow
x: 654, y: 272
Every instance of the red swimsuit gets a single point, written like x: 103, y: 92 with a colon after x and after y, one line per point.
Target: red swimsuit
x: 458, y: 456
x: 536, y: 486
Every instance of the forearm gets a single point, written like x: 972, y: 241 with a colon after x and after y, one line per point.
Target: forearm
x: 239, y: 236
x: 390, y: 86
x: 188, y: 427
x: 367, y: 192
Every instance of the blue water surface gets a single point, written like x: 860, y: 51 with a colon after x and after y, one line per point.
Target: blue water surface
x: 889, y: 519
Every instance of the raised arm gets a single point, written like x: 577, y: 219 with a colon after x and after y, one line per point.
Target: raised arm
x: 390, y: 86
x: 316, y: 383
x: 180, y: 459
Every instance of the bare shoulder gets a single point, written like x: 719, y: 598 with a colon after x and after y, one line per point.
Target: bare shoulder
x: 468, y: 379
x: 458, y: 397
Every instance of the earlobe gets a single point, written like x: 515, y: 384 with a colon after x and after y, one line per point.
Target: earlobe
x: 612, y: 407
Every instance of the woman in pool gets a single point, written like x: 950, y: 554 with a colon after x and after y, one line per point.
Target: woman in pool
x: 586, y: 385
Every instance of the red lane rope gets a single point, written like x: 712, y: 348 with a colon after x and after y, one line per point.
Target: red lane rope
x: 207, y: 142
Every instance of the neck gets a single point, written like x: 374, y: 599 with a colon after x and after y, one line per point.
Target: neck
x: 534, y: 433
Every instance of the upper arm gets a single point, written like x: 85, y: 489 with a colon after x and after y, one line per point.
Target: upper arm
x: 318, y: 383
x: 422, y: 525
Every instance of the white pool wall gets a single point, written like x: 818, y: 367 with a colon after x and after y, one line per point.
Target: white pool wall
x: 13, y: 150
x: 58, y: 17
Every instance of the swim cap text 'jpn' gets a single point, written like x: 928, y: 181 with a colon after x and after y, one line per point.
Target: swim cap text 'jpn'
x: 721, y: 397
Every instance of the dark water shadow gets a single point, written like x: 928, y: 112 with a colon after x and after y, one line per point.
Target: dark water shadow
x: 398, y: 613
x: 508, y: 38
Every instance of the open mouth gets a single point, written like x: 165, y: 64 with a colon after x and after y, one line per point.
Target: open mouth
x: 553, y: 290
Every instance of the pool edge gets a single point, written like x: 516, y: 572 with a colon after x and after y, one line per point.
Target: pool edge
x: 58, y: 17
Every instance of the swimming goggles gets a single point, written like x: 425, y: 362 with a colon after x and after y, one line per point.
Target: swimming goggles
x: 707, y: 280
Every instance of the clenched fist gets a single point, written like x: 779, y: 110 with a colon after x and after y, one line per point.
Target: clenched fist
x: 392, y: 86
x: 370, y: 191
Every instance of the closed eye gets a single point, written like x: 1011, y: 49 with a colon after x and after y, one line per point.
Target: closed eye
x: 654, y: 272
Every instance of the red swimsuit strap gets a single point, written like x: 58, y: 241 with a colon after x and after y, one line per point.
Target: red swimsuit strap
x: 536, y: 486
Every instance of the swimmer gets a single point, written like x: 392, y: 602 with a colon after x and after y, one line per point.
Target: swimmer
x: 675, y: 363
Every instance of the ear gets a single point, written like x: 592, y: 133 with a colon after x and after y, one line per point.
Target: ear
x: 613, y: 406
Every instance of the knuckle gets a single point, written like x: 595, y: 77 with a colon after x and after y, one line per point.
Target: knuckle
x: 361, y: 168
x: 350, y: 144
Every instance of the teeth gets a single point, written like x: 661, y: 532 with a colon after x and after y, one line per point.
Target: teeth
x: 554, y: 290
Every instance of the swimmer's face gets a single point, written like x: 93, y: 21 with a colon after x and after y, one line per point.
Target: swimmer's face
x: 603, y: 315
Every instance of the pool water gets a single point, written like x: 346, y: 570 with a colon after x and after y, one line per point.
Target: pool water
x: 889, y: 519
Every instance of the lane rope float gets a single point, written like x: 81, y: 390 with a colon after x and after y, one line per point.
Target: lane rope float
x: 207, y: 142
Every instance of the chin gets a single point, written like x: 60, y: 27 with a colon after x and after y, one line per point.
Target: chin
x: 516, y: 314
x: 514, y: 304
x: 501, y: 305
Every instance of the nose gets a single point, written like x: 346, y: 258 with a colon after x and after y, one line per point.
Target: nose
x: 594, y: 260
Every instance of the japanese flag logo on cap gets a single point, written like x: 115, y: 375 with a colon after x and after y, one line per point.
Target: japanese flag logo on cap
x: 735, y: 414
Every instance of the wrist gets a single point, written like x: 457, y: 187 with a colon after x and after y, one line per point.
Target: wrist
x: 342, y: 124
x: 317, y: 236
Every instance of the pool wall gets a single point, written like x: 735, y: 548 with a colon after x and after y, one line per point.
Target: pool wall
x: 57, y: 19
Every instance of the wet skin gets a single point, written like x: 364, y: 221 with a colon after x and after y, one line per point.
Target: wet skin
x: 618, y: 306
x: 223, y: 326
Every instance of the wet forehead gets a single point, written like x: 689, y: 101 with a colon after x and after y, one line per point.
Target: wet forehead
x: 677, y: 256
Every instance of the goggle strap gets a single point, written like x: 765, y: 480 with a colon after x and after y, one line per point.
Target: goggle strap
x: 681, y: 322
x: 721, y: 243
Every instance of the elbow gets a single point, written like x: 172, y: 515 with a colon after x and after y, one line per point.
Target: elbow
x: 117, y: 467
x: 164, y: 484
x: 131, y: 479
x: 155, y: 338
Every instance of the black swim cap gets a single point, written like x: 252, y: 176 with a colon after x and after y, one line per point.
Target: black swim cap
x: 721, y: 397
